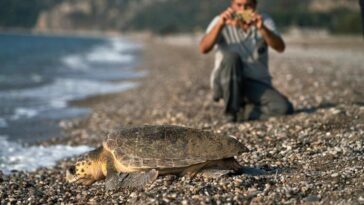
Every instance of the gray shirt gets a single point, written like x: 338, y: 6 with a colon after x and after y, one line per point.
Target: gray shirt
x: 250, y: 45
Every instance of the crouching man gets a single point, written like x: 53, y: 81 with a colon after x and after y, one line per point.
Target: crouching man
x: 241, y: 76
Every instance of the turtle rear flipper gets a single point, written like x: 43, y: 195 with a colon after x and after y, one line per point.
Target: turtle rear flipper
x: 137, y: 180
x: 220, y: 168
x: 215, y: 173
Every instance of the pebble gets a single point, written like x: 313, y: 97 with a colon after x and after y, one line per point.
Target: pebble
x: 361, y: 199
x: 335, y: 175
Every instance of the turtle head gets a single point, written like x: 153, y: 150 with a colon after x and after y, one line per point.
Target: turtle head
x: 87, y: 169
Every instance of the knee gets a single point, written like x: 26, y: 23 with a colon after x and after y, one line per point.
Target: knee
x: 231, y: 58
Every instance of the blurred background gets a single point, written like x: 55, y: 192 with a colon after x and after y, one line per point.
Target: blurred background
x: 172, y: 16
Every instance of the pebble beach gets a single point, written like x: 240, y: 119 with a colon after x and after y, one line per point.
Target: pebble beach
x: 315, y: 156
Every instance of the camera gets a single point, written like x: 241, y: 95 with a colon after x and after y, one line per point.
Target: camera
x: 245, y: 15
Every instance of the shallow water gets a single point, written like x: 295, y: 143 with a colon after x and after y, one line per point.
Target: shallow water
x: 40, y: 75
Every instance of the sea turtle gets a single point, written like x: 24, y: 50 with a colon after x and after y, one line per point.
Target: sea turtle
x: 133, y: 157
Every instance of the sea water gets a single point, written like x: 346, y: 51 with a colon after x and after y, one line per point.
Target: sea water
x: 40, y: 75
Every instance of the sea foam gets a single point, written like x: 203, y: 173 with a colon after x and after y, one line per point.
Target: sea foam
x: 14, y: 156
x: 59, y: 93
x: 114, y: 51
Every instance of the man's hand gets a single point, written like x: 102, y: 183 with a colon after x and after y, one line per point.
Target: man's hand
x: 209, y: 40
x: 258, y: 20
x: 226, y: 17
x: 274, y: 41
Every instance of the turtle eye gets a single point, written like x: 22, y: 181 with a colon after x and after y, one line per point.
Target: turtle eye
x: 72, y: 170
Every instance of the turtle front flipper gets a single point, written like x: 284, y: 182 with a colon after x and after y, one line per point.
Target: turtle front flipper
x: 115, y: 181
x: 137, y: 180
x: 112, y: 182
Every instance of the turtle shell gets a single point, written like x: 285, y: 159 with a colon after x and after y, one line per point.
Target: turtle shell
x: 167, y: 146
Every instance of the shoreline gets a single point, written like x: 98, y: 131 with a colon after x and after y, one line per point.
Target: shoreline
x: 310, y: 152
x: 63, y: 89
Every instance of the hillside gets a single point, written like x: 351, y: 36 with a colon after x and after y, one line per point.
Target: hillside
x: 327, y: 5
x: 155, y: 15
x: 169, y: 16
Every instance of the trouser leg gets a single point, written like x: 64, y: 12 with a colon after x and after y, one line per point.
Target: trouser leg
x: 263, y: 101
x: 361, y: 3
x: 230, y: 80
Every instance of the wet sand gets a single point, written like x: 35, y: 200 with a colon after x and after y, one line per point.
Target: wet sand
x: 315, y: 155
